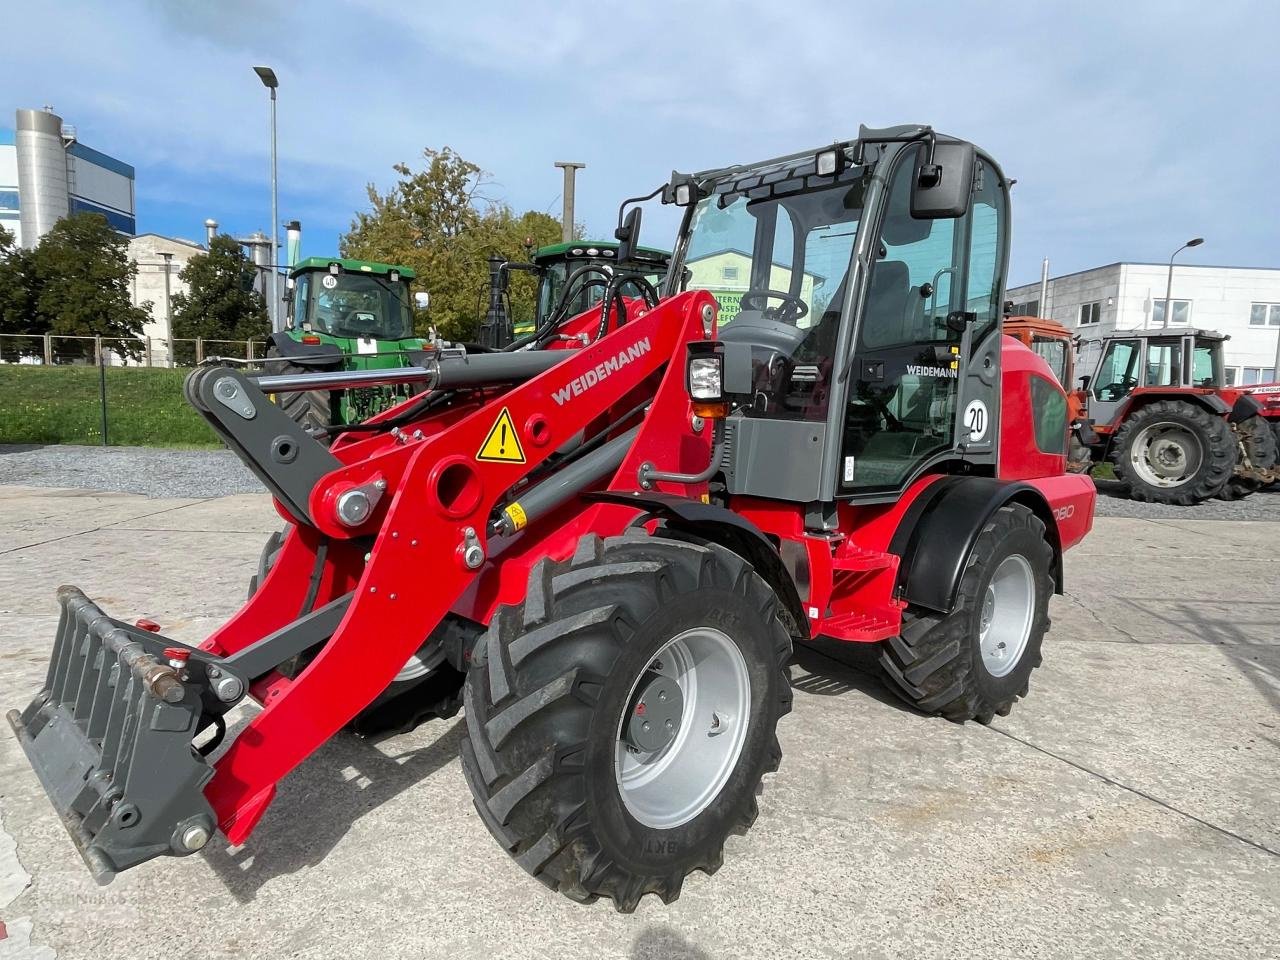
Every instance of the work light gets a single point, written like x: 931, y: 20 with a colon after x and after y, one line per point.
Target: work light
x: 706, y: 377
x: 828, y: 162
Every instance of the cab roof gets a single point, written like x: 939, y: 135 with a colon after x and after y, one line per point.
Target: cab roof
x: 351, y: 266
x: 585, y: 248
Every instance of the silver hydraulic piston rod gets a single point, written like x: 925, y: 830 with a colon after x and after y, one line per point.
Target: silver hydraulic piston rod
x: 438, y: 373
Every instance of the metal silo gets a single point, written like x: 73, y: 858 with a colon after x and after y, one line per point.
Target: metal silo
x: 42, y: 173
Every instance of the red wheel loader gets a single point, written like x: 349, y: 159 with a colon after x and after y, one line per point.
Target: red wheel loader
x: 607, y: 542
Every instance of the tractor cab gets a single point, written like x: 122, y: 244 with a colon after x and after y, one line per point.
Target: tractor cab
x: 866, y: 289
x: 351, y: 299
x: 1132, y: 363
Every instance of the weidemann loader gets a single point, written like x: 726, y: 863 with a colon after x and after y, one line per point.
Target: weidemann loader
x: 605, y: 543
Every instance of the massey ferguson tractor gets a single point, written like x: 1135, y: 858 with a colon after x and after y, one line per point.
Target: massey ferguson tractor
x: 1155, y: 407
x: 605, y: 544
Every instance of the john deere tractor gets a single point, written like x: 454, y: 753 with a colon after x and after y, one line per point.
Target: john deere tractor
x: 572, y: 277
x: 344, y: 315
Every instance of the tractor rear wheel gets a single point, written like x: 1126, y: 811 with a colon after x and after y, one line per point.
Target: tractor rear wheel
x: 620, y: 720
x: 1258, y: 451
x: 1174, y: 452
x: 310, y: 409
x: 976, y: 661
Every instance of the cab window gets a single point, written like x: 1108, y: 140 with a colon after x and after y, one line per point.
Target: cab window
x: 1118, y: 372
x: 1164, y: 364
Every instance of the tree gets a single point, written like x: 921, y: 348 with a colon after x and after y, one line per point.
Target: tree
x: 437, y: 221
x: 78, y: 281
x: 221, y: 303
x: 17, y: 305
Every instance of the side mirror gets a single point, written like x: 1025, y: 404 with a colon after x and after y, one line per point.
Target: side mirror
x: 627, y: 235
x: 1084, y: 382
x: 421, y: 299
x: 943, y: 182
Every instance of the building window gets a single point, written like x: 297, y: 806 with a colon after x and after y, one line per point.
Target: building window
x: 1264, y: 314
x: 1090, y: 313
x: 1254, y: 375
x: 1181, y: 312
x: 729, y: 273
x: 1232, y: 375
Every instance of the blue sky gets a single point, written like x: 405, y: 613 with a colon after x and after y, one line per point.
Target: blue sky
x: 1130, y: 126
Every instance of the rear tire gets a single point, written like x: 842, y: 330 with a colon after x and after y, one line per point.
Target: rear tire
x: 559, y: 683
x: 1174, y: 452
x: 949, y: 665
x: 311, y: 409
x: 1257, y: 450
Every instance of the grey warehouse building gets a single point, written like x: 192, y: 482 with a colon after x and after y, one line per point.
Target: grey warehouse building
x: 1243, y: 302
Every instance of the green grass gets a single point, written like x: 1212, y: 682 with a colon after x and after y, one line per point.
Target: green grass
x: 145, y: 407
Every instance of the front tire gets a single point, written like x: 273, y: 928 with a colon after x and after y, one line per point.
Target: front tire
x: 1174, y: 452
x: 562, y: 685
x: 977, y: 661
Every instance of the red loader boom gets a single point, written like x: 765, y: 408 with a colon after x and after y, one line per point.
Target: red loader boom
x: 606, y: 539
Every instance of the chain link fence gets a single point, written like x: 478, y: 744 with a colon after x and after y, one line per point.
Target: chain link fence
x: 54, y: 350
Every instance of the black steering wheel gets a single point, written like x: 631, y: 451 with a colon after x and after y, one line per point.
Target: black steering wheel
x: 791, y: 310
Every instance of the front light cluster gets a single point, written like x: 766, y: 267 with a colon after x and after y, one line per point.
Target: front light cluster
x: 706, y: 378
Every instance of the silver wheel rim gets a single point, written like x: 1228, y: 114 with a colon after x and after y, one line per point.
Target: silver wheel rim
x: 671, y: 785
x: 1166, y: 454
x: 421, y: 663
x: 1008, y: 608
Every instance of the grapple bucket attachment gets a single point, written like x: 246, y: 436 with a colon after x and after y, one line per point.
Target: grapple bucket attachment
x: 110, y: 737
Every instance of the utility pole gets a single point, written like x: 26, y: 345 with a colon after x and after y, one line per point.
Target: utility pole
x: 1044, y: 289
x: 1168, y: 290
x: 268, y: 78
x: 570, y: 173
x: 168, y: 305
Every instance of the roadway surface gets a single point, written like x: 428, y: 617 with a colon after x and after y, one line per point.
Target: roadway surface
x: 1127, y: 808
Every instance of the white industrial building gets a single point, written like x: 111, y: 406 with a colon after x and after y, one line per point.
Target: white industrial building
x: 1243, y: 302
x: 46, y: 173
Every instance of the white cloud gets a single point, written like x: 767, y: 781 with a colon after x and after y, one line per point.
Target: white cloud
x: 1127, y: 125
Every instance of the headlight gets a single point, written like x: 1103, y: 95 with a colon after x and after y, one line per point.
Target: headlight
x: 706, y: 378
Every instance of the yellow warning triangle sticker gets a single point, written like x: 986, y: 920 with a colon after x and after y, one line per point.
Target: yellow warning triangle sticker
x: 502, y: 445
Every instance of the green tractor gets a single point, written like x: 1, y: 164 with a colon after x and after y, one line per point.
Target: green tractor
x: 344, y: 315
x: 571, y: 277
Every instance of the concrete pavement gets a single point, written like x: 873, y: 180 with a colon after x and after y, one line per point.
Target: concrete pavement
x: 1128, y: 807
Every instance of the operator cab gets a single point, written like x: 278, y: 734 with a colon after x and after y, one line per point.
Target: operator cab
x: 1185, y: 359
x: 865, y: 280
x: 350, y: 298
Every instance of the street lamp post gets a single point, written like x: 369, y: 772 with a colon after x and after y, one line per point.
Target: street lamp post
x: 1168, y: 291
x: 268, y: 78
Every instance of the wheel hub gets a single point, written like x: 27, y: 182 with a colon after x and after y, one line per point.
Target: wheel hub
x: 656, y: 713
x: 1008, y: 611
x: 1166, y: 454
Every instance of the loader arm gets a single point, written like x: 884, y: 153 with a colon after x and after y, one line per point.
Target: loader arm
x: 353, y: 593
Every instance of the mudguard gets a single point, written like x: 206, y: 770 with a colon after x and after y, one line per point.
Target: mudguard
x: 948, y: 517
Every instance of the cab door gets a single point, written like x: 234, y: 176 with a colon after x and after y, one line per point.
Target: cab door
x: 925, y: 375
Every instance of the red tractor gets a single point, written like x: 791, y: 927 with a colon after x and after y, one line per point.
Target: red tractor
x: 1156, y: 409
x: 605, y: 544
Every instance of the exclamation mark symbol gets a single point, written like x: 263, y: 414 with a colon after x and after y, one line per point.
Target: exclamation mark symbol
x: 502, y: 443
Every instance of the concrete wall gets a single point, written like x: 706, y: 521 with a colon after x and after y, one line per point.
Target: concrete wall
x: 1220, y: 298
x: 148, y: 285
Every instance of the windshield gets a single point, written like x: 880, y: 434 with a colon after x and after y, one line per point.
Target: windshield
x: 355, y: 305
x: 778, y: 258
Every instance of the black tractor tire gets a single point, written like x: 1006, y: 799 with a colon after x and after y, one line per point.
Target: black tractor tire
x: 550, y: 685
x: 311, y: 409
x: 431, y: 690
x: 1258, y: 450
x: 936, y: 663
x: 1218, y: 459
